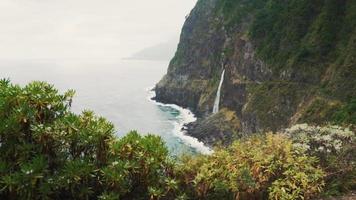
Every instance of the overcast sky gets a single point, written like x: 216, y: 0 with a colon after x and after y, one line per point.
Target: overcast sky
x: 102, y: 29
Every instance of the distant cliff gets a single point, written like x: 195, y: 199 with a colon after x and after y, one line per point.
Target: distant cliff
x: 286, y: 62
x: 163, y: 51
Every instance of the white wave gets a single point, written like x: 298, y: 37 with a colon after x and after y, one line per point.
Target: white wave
x: 185, y: 117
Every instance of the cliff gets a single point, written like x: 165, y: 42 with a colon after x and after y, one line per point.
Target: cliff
x: 286, y: 62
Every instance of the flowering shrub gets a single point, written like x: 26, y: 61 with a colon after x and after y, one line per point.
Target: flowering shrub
x: 335, y: 148
x: 255, y: 168
x: 321, y: 140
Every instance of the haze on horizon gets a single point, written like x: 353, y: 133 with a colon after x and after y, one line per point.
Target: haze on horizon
x: 83, y: 29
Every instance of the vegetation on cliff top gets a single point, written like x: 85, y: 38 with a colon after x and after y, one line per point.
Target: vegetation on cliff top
x: 48, y: 152
x: 314, y: 42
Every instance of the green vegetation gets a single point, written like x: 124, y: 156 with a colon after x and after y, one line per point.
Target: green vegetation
x: 314, y: 42
x: 276, y: 95
x: 347, y: 114
x: 236, y: 10
x: 259, y: 167
x: 336, y: 149
x: 295, y: 31
x: 321, y: 110
x: 48, y: 152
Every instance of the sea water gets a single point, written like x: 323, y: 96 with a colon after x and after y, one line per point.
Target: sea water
x: 118, y: 90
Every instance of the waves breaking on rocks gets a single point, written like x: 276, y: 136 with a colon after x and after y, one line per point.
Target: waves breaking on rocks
x: 184, y: 117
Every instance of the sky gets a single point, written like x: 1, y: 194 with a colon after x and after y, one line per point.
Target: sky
x: 81, y: 29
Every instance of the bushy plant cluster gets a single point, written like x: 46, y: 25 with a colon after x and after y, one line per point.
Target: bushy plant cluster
x: 48, y: 152
x: 335, y: 147
x: 259, y: 167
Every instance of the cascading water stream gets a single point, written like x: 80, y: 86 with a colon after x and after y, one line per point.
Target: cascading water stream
x: 217, y: 98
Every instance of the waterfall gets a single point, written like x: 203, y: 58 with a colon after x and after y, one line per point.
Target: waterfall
x: 217, y: 98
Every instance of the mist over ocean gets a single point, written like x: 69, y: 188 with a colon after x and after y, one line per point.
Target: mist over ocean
x: 116, y: 90
x: 81, y: 44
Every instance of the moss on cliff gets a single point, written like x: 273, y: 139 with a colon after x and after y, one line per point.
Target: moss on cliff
x: 274, y: 102
x: 312, y: 42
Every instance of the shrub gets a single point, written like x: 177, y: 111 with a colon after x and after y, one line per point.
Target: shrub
x: 48, y: 152
x: 255, y: 168
x: 335, y: 148
x: 140, y: 167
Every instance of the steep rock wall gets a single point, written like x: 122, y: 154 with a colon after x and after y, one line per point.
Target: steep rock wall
x: 280, y: 70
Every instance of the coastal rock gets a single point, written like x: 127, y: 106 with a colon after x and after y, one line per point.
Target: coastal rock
x: 224, y: 125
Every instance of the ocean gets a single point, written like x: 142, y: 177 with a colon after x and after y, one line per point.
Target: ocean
x: 119, y: 90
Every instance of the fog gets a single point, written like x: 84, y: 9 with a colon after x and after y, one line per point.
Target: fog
x: 83, y: 29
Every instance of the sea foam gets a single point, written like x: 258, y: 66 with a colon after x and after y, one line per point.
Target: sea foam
x: 185, y: 117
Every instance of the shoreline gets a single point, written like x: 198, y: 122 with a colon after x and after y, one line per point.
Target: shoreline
x: 185, y: 117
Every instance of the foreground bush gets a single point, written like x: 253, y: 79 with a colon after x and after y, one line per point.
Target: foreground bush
x: 47, y: 152
x: 260, y: 167
x: 335, y: 147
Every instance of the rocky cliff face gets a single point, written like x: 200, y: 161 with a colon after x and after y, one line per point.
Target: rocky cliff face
x: 286, y: 62
x: 196, y: 62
